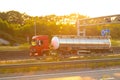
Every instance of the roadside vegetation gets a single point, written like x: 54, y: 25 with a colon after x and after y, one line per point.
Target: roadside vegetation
x: 115, y: 42
x: 24, y: 46
x: 18, y: 28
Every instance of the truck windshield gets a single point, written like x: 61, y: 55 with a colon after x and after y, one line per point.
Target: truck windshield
x: 33, y: 43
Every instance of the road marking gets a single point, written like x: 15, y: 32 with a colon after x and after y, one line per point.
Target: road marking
x: 42, y: 75
x: 107, y: 78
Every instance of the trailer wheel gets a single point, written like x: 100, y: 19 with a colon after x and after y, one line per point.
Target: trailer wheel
x: 44, y: 55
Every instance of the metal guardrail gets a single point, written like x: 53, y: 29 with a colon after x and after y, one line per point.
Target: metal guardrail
x: 62, y: 63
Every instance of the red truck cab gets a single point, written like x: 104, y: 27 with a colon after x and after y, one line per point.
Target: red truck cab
x: 39, y: 45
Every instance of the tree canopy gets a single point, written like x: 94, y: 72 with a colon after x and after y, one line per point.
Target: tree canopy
x: 16, y: 26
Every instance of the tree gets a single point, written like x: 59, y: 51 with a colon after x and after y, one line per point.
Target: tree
x: 3, y: 16
x: 14, y: 17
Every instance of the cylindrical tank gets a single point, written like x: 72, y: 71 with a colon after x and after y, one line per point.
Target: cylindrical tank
x: 81, y: 42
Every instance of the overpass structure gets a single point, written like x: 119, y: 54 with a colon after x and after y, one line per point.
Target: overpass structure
x: 103, y: 20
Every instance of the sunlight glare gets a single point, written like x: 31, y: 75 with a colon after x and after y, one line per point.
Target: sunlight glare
x: 72, y: 78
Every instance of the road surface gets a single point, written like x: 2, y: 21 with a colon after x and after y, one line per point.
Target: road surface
x: 102, y: 74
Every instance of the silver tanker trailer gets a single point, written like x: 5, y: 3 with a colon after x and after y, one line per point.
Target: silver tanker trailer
x: 80, y: 44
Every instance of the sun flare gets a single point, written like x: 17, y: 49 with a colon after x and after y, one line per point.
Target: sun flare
x: 91, y: 8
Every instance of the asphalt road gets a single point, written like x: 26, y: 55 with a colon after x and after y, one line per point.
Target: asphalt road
x: 102, y: 74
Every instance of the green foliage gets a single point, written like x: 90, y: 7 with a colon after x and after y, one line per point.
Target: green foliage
x: 115, y: 42
x: 14, y: 17
x: 16, y: 26
x: 7, y: 37
x: 24, y: 46
x: 18, y: 47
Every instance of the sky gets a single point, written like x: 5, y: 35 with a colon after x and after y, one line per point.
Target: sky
x: 92, y: 8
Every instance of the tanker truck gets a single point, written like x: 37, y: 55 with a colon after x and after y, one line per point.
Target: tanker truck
x: 69, y: 44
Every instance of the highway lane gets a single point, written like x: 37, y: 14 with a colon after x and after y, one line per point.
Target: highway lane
x: 103, y: 74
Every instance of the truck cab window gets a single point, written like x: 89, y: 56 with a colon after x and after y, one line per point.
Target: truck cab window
x: 40, y: 42
x: 33, y: 43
